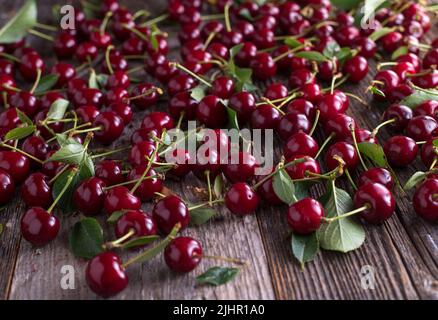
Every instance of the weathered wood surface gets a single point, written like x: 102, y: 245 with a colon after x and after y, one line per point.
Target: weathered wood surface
x: 403, y: 251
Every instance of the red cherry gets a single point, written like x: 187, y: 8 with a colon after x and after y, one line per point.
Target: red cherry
x: 329, y: 106
x: 88, y: 96
x: 240, y: 167
x: 427, y: 108
x: 64, y: 71
x: 377, y: 175
x: 219, y: 50
x: 292, y: 123
x: 341, y: 126
x: 7, y: 187
x: 231, y: 38
x: 343, y: 150
x: 300, y: 143
x: 89, y: 196
x: 64, y: 45
x: 244, y: 104
x: 265, y: 117
x: 241, y: 199
x: 157, y: 121
x: 111, y: 127
x: 223, y: 87
x: 266, y: 191
x: 401, y: 113
x: 123, y: 110
x: 139, y: 152
x: 379, y: 199
x: 142, y: 223
x: 304, y: 216
x: 246, y: 54
x: 298, y: 78
x: 347, y: 35
x: 25, y: 102
x: 15, y: 164
x: 400, y: 150
x: 179, y: 83
x: 211, y: 112
x: 422, y: 128
x: 208, y: 163
x: 120, y: 198
x: 36, y: 191
x: 110, y: 172
x: 37, y: 147
x: 147, y: 189
x: 116, y: 95
x: 169, y: 211
x: 428, y: 153
x: 300, y: 170
x: 183, y: 102
x: 391, y: 41
x: 38, y: 226
x: 86, y: 51
x: 426, y: 201
x: 100, y: 39
x: 30, y: 64
x: 302, y: 106
x: 263, y: 66
x: 183, y: 254
x: 356, y: 68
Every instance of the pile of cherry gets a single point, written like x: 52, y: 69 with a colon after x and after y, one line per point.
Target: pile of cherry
x: 45, y: 144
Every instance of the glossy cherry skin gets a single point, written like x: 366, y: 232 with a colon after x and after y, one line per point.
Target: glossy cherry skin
x: 401, y: 113
x: 391, y: 41
x: 379, y: 199
x: 264, y: 117
x: 377, y: 175
x: 329, y: 106
x: 169, y: 211
x: 400, y: 150
x: 300, y: 143
x: 246, y: 54
x: 7, y: 187
x: 241, y: 171
x: 139, y: 152
x: 15, y: 164
x: 89, y: 196
x: 422, y: 128
x: 244, y: 104
x: 263, y: 66
x: 36, y: 191
x: 64, y: 71
x: 118, y: 79
x: 37, y: 147
x: 266, y: 191
x: 38, y: 226
x: 157, y: 121
x: 223, y: 87
x: 301, y: 170
x: 427, y: 108
x: 298, y: 78
x: 119, y: 198
x: 105, y: 274
x: 144, y: 101
x: 64, y: 45
x: 340, y: 125
x: 88, y: 96
x: 142, y: 223
x: 428, y: 153
x: 183, y: 102
x: 211, y: 112
x: 241, y: 199
x: 179, y: 83
x: 85, y: 51
x: 305, y: 216
x: 347, y: 35
x: 111, y: 127
x: 146, y: 190
x: 292, y: 123
x: 30, y: 64
x: 426, y: 200
x: 356, y: 68
x: 25, y: 101
x: 51, y: 168
x: 302, y: 106
x: 110, y: 172
x: 123, y: 110
x: 345, y: 151
x: 183, y: 254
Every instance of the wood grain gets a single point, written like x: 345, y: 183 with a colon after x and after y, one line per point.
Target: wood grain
x: 403, y: 251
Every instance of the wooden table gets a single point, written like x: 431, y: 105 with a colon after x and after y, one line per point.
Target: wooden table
x: 403, y: 251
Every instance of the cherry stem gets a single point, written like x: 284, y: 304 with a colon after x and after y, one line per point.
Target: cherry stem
x: 227, y: 16
x: 3, y: 144
x: 180, y: 119
x: 231, y: 260
x: 117, y: 243
x: 107, y: 59
x: 46, y: 26
x: 324, y: 144
x: 140, y: 13
x: 376, y: 129
x: 434, y: 162
x: 347, y: 173
x: 105, y: 21
x: 194, y: 75
x: 285, y: 54
x: 137, y: 32
x: 213, y: 17
x: 332, y: 86
x: 386, y: 64
x: 155, y: 249
x: 210, y: 194
x: 155, y: 20
x: 37, y: 81
x: 348, y: 214
x: 206, y: 204
x: 148, y: 92
x: 10, y: 57
x: 59, y: 173
x: 64, y: 189
x: 266, y: 100
x: 315, y: 122
x: 353, y: 135
x: 86, y: 130
x: 356, y: 97
x: 71, y: 129
x: 209, y: 39
x: 41, y: 35
x: 148, y: 167
x: 131, y: 182
x: 104, y: 154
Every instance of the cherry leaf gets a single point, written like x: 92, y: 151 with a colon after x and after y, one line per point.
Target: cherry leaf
x: 435, y: 143
x: 331, y: 49
x: 72, y: 153
x: 218, y: 186
x: 16, y: 28
x: 92, y: 80
x: 284, y: 187
x: 46, y: 83
x: 244, y: 13
x: 419, y: 96
x: 115, y: 216
x: 140, y: 241
x: 374, y: 152
x: 292, y: 42
x: 86, y: 238
x: 19, y: 133
x: 57, y: 109
x: 399, y: 52
x: 377, y: 91
x: 201, y: 216
x: 311, y: 55
x: 304, y: 247
x: 379, y: 33
x: 23, y: 117
x: 217, y: 275
x: 198, y: 92
x: 414, y: 180
x: 232, y: 118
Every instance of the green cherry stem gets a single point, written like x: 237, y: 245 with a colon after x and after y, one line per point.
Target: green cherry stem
x: 64, y: 189
x: 9, y: 57
x: 37, y: 81
x: 41, y: 35
x: 117, y: 243
x: 348, y: 214
x: 148, y: 167
x: 279, y: 167
x: 206, y: 204
x: 227, y: 17
x: 147, y: 93
x: 353, y: 135
x: 107, y: 59
x: 104, y: 154
x: 131, y: 182
x: 5, y: 145
x: 155, y: 20
x: 347, y: 173
x: 376, y: 129
x: 105, y: 21
x: 210, y: 194
x: 46, y: 26
x: 315, y: 122
x: 194, y: 75
x: 58, y: 174
x: 226, y: 259
x: 324, y: 144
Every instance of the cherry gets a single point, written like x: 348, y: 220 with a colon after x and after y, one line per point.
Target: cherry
x: 378, y: 198
x: 169, y: 211
x: 345, y: 19
x: 425, y: 200
x: 211, y: 27
x: 118, y: 79
x: 157, y: 121
x: 6, y: 82
x: 64, y: 71
x: 264, y: 38
x: 74, y: 86
x: 346, y: 35
x: 218, y: 50
x: 109, y: 6
x: 276, y: 91
x: 401, y: 113
x: 391, y: 41
x: 343, y: 150
x: 110, y: 172
x: 377, y: 175
x: 190, y: 15
x: 305, y: 216
x: 403, y: 69
x: 88, y: 96
x: 329, y: 106
x: 38, y: 226
x: 327, y: 69
x: 37, y: 147
x: 7, y: 187
x: 361, y: 135
x: 89, y: 196
x: 399, y: 93
x: 366, y: 46
x: 427, y: 108
x: 422, y: 128
x: 51, y: 168
x: 269, y: 9
x: 100, y: 39
x: 241, y: 171
x: 117, y: 62
x: 211, y: 112
x: 15, y: 164
x: 105, y: 274
x: 298, y: 78
x: 24, y: 101
x: 139, y: 152
x: 9, y: 119
x: 189, y: 32
x: 182, y: 166
x: 6, y: 67
x: 231, y: 38
x: 411, y: 58
x: 263, y: 66
x: 133, y: 46
x: 300, y: 143
x: 340, y: 125
x: 427, y: 81
x: 400, y: 150
x: 142, y: 223
x: 265, y: 117
x: 292, y: 123
x: 123, y: 110
x: 179, y: 83
x: 30, y: 64
x: 244, y: 104
x: 429, y: 153
x: 36, y: 191
x: 223, y: 87
x: 183, y: 254
x: 302, y: 106
x: 209, y: 162
x: 356, y: 68
x: 311, y: 92
x: 430, y: 59
x: 300, y: 170
x: 86, y: 51
x: 64, y: 45
x: 116, y: 95
x: 120, y: 198
x: 111, y: 127
x: 241, y: 199
x: 147, y: 189
x: 266, y: 191
x: 87, y: 113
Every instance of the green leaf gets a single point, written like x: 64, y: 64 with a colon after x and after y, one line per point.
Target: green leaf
x: 244, y: 13
x: 414, y: 180
x: 435, y: 143
x: 217, y: 275
x: 331, y: 49
x: 87, y: 166
x: 244, y: 80
x: 19, y: 133
x: 140, y: 241
x: 86, y: 238
x: 379, y: 33
x: 399, y: 52
x: 311, y: 55
x: 346, y: 4
x: 70, y: 154
x: 343, y: 55
x: 418, y: 97
x: 16, y: 28
x: 218, y: 186
x: 377, y: 91
x: 46, y: 83
x: 154, y: 41
x: 343, y: 234
x: 1, y: 228
x: 24, y: 118
x: 201, y: 216
x: 304, y: 247
x: 232, y: 118
x: 234, y: 50
x: 292, y: 42
x: 102, y: 80
x: 374, y: 152
x: 57, y: 109
x: 198, y: 92
x: 92, y: 80
x: 284, y: 187
x: 369, y: 8
x: 115, y: 216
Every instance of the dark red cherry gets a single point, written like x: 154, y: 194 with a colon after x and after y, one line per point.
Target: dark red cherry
x: 361, y: 135
x: 64, y: 71
x: 110, y: 171
x: 116, y: 95
x: 139, y: 152
x: 105, y: 274
x: 15, y: 164
x: 426, y: 81
x: 266, y: 191
x: 142, y: 223
x: 223, y: 87
x: 379, y: 199
x: 117, y: 62
x: 244, y: 104
x: 182, y: 163
x: 218, y: 50
x: 211, y: 112
x: 340, y: 125
x: 119, y: 198
x: 133, y: 46
x: 302, y: 106
x: 305, y: 216
x: 276, y: 91
x: 343, y: 150
x: 241, y: 167
x: 265, y: 117
x: 89, y: 196
x: 429, y: 152
x: 366, y: 46
x: 152, y: 184
x: 49, y: 98
x: 183, y: 102
x: 144, y: 95
x: 430, y: 59
x: 86, y: 51
x: 300, y: 143
x: 212, y: 27
x: 263, y: 66
x: 330, y: 105
x: 231, y: 38
x: 111, y: 127
x: 64, y: 45
x: 391, y: 41
x: 37, y: 147
x: 356, y: 68
x: 403, y: 69
x: 292, y: 123
x: 427, y: 108
x: 298, y: 78
x: 87, y: 113
x: 51, y: 168
x: 389, y: 78
x: 88, y: 96
x: 25, y: 102
x: 208, y: 163
x: 38, y: 226
x: 7, y: 187
x: 241, y: 199
x: 179, y: 83
x: 9, y: 119
x: 169, y: 211
x: 401, y: 113
x: 264, y: 38
x: 300, y: 170
x: 422, y: 128
x: 36, y: 191
x: 190, y: 15
x: 311, y: 92
x: 123, y: 110
x: 100, y: 39
x: 183, y: 254
x: 377, y: 175
x: 118, y: 79
x: 158, y: 121
x: 346, y: 35
x: 30, y: 64
x: 426, y: 200
x: 400, y: 151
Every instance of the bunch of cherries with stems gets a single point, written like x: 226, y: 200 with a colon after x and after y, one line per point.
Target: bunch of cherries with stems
x: 295, y: 38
